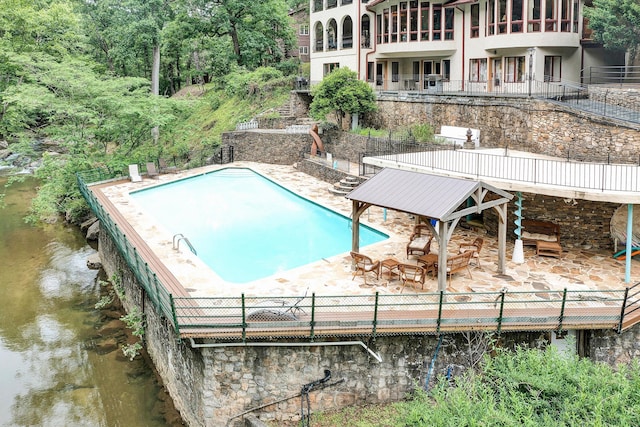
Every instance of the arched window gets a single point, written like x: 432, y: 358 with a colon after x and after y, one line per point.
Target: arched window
x: 347, y: 33
x: 365, y: 32
x: 332, y: 35
x: 319, y: 37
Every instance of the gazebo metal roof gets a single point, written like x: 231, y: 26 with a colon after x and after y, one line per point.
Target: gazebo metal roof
x: 438, y: 197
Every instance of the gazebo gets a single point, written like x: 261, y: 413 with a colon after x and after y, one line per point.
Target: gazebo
x: 438, y: 197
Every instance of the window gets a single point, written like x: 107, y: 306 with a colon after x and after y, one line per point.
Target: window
x: 478, y: 70
x: 437, y: 22
x: 514, y: 69
x: 502, y: 13
x: 365, y: 32
x: 552, y: 68
x: 319, y: 46
x: 385, y: 26
x: 394, y: 23
x: 413, y: 21
x: 446, y: 70
x: 332, y: 35
x: 424, y: 21
x: 370, y: 72
x: 332, y: 3
x: 550, y: 23
x: 565, y: 16
x: 448, y: 23
x: 416, y: 71
x: 475, y: 20
x: 516, y: 16
x: 317, y: 5
x: 304, y: 29
x: 327, y: 68
x: 491, y: 17
x: 347, y: 33
x: 533, y: 23
x: 575, y: 16
x: 343, y: 2
x: 395, y: 71
x: 303, y: 50
x: 403, y: 21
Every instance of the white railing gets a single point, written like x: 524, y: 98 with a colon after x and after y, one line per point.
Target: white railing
x: 298, y: 129
x: 252, y: 124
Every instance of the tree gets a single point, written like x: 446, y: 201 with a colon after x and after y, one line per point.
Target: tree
x: 341, y: 92
x: 616, y: 24
x: 260, y: 32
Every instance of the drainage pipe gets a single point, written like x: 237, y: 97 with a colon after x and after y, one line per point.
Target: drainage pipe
x: 284, y: 344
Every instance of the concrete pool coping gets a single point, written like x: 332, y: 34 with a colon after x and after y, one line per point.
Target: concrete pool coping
x: 576, y: 270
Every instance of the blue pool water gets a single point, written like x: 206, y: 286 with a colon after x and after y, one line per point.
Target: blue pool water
x: 246, y: 227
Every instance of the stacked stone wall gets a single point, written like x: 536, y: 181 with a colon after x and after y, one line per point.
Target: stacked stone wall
x: 265, y: 146
x: 584, y: 224
x: 519, y: 123
x: 625, y: 96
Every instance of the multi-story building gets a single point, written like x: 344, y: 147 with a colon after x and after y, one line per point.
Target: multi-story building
x: 485, y: 45
x: 300, y: 19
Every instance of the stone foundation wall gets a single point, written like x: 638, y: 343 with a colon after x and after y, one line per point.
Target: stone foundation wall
x: 614, y: 349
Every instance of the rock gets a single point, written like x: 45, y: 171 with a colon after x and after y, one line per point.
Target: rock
x: 84, y: 226
x: 4, y: 144
x: 93, y: 231
x: 106, y: 346
x: 4, y: 154
x: 93, y: 262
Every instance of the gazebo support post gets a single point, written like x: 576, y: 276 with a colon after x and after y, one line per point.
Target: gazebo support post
x: 443, y: 238
x: 502, y: 237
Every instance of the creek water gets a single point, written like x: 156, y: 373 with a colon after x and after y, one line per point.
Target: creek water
x: 54, y: 367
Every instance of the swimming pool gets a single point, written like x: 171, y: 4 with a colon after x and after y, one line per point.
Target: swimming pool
x: 246, y: 227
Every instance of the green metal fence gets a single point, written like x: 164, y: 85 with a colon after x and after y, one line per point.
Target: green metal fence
x: 312, y: 316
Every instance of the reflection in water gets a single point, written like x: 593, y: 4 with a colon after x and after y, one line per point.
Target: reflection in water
x: 51, y: 373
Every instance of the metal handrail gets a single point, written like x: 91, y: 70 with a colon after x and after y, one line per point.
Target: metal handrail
x: 177, y: 238
x: 357, y: 315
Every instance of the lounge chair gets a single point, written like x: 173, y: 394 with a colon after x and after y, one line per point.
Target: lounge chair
x: 364, y: 265
x: 152, y: 171
x: 272, y: 310
x: 166, y: 169
x: 474, y: 247
x: 413, y: 275
x: 419, y: 241
x: 134, y: 173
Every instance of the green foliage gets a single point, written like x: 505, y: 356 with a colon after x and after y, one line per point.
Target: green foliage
x: 135, y: 321
x: 341, y: 92
x: 616, y: 24
x: 423, y: 132
x: 131, y: 350
x: 526, y: 387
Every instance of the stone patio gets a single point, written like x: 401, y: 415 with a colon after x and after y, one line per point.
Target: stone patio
x: 575, y: 270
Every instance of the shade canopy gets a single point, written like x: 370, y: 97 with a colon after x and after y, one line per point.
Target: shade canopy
x: 438, y: 197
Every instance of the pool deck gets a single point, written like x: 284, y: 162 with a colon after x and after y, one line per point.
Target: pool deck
x: 575, y: 270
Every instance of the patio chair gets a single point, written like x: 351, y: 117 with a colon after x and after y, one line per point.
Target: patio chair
x: 459, y: 262
x: 134, y: 173
x: 364, y: 265
x: 152, y: 171
x: 164, y: 168
x: 419, y: 244
x: 474, y: 247
x: 413, y: 275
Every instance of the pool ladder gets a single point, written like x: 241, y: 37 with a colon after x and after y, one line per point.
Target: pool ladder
x: 176, y: 243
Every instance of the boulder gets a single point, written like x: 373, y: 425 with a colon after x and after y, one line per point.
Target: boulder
x: 93, y: 230
x: 93, y: 262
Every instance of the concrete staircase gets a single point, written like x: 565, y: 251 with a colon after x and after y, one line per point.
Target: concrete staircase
x: 345, y: 186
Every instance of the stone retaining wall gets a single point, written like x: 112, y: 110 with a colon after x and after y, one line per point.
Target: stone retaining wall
x: 210, y: 386
x: 519, y: 123
x: 627, y: 97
